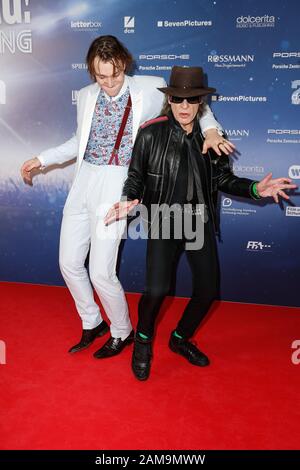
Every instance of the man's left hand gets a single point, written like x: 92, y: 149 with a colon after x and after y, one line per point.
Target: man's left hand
x: 215, y: 141
x: 274, y: 188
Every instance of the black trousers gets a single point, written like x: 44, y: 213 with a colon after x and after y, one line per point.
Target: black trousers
x: 162, y: 257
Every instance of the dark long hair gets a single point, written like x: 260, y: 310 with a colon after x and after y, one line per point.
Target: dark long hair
x: 108, y: 49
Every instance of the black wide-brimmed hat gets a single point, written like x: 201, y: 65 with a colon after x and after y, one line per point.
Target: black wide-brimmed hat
x: 186, y: 82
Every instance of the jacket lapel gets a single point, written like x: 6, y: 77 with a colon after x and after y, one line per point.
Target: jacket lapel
x: 87, y: 118
x: 137, y: 105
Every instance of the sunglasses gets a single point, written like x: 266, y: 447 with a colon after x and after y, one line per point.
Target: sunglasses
x: 190, y: 99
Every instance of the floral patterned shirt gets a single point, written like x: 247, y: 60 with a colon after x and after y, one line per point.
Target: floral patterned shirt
x: 106, y: 122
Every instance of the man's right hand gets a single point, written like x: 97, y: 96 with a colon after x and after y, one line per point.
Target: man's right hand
x: 27, y: 167
x: 119, y: 211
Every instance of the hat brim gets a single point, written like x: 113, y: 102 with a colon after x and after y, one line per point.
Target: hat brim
x: 186, y: 93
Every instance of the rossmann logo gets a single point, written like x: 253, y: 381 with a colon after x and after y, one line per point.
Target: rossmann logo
x: 265, y: 21
x: 228, y: 58
x: 164, y: 56
x: 237, y: 134
x: 294, y: 172
x: 258, y: 246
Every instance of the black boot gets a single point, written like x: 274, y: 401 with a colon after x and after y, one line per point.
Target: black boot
x: 88, y: 336
x: 188, y: 350
x: 141, y: 357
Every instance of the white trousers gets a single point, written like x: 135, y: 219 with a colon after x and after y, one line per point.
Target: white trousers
x: 92, y: 194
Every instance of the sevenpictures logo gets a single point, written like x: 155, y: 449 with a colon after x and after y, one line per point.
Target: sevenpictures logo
x: 184, y: 24
x: 239, y: 99
x: 230, y: 60
x: 265, y: 21
x: 14, y: 13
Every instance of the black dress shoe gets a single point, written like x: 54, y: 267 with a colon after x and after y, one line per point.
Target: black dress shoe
x: 141, y: 358
x: 188, y: 350
x: 88, y: 336
x: 113, y: 346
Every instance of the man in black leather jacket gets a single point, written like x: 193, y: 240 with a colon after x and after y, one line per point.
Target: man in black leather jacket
x: 168, y: 170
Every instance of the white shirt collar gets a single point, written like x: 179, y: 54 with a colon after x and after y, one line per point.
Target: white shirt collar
x: 121, y: 92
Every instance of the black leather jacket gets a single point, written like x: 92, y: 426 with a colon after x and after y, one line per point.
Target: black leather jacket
x: 155, y: 160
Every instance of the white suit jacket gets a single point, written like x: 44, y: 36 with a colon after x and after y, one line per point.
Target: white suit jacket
x: 147, y: 102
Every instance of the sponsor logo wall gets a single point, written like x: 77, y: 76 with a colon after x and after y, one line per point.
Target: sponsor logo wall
x: 250, y: 53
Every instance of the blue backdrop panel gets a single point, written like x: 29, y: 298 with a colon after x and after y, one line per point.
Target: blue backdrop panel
x: 250, y: 51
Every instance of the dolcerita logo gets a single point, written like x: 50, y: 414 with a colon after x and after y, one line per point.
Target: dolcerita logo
x: 265, y: 21
x: 2, y: 92
x: 230, y: 60
x: 184, y: 24
x: 129, y: 24
x: 294, y: 172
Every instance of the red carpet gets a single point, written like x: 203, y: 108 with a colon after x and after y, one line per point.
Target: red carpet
x: 248, y: 398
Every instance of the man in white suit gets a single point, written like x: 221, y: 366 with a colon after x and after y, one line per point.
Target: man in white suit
x: 109, y: 113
